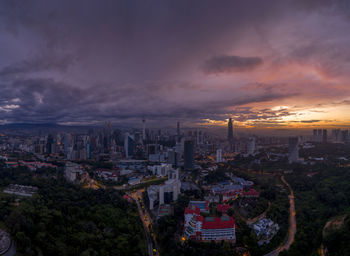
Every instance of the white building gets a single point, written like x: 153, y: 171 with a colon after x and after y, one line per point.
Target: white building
x: 199, y: 228
x: 72, y: 170
x: 167, y: 192
x: 219, y: 155
x: 293, y: 148
x: 161, y: 170
x: 20, y: 190
x: 251, y: 146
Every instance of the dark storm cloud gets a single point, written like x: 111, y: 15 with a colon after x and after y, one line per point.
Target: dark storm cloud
x: 310, y: 121
x: 45, y: 63
x: 87, y: 61
x: 230, y: 64
x: 45, y: 100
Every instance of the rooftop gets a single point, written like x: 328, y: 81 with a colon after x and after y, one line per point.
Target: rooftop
x: 218, y: 222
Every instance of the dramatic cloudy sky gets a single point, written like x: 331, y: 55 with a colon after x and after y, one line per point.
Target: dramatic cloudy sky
x: 263, y: 63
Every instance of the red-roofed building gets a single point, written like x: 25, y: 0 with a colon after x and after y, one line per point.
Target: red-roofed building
x: 230, y: 195
x: 11, y: 164
x: 198, y: 228
x: 107, y: 174
x: 203, y: 205
x: 127, y: 198
x: 193, y: 209
x: 223, y: 208
x: 250, y: 193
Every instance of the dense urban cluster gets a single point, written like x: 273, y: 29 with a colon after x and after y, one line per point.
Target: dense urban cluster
x: 196, y: 192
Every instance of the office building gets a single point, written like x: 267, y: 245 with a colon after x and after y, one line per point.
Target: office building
x: 167, y: 192
x: 293, y: 149
x: 251, y: 146
x: 189, y: 155
x: 129, y: 146
x: 230, y: 130
x: 219, y: 155
x: 143, y: 129
x: 319, y: 135
x: 315, y: 135
x: 324, y: 136
x: 173, y: 158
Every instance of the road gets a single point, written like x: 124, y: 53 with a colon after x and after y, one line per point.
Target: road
x: 11, y: 251
x: 253, y: 220
x: 292, y: 223
x: 146, y: 221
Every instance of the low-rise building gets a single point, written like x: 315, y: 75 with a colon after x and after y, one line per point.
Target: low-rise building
x: 72, y: 171
x: 224, y: 189
x: 107, y: 174
x: 20, y: 190
x: 199, y: 228
x: 250, y: 193
x: 265, y: 229
x: 202, y: 205
x: 134, y: 181
x: 223, y: 208
x: 161, y: 170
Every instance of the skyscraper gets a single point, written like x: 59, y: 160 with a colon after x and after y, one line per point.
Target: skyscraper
x: 173, y: 158
x: 251, y: 146
x: 129, y: 146
x: 293, y: 149
x: 324, y: 136
x: 49, y: 144
x: 319, y: 135
x: 143, y: 129
x: 230, y: 130
x: 189, y: 154
x: 178, y: 129
x: 345, y: 136
x: 219, y: 155
x: 315, y: 135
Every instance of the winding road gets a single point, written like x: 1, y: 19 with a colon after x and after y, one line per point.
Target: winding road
x: 257, y: 218
x: 292, y: 223
x: 146, y: 221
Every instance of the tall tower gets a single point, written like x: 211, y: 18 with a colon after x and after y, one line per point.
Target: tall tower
x: 129, y: 145
x: 178, y: 129
x: 189, y: 155
x: 230, y: 130
x: 251, y: 146
x: 143, y: 129
x: 293, y: 149
x: 324, y: 136
x: 219, y: 155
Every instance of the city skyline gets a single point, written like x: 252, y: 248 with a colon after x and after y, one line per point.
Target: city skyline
x: 265, y: 65
x: 174, y: 127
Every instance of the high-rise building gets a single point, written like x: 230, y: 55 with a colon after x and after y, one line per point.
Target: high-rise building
x: 49, y: 144
x: 143, y: 129
x: 324, y: 136
x: 345, y: 136
x: 129, y: 146
x: 251, y: 146
x: 199, y: 137
x: 315, y: 135
x: 293, y: 149
x: 230, y: 130
x: 173, y: 158
x: 336, y: 135
x: 319, y: 135
x: 219, y: 155
x: 189, y: 154
x: 178, y: 129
